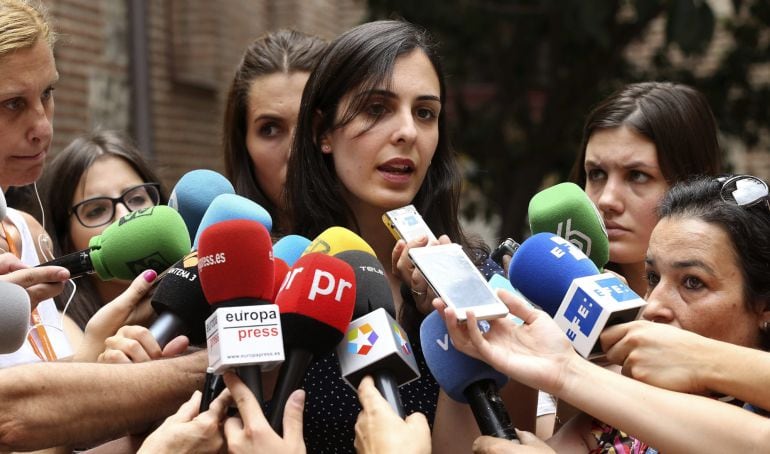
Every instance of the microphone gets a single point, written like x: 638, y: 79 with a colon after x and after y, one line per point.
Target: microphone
x: 555, y: 275
x: 3, y: 206
x: 286, y: 251
x: 465, y: 379
x: 374, y: 343
x: 193, y: 194
x: 373, y: 290
x: 316, y: 300
x: 337, y: 239
x: 235, y: 264
x: 280, y: 271
x: 566, y: 210
x: 180, y: 303
x: 499, y: 282
x: 150, y: 238
x: 15, y: 308
x: 290, y: 248
x: 230, y: 206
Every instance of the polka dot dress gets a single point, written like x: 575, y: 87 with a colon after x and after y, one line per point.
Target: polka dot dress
x: 331, y: 406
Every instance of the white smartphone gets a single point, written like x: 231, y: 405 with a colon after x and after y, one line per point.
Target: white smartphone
x: 454, y: 278
x: 407, y: 224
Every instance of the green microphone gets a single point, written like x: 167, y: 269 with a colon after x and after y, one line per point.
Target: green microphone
x: 150, y: 238
x: 566, y: 210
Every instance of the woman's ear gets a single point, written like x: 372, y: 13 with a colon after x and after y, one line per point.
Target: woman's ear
x: 322, y: 140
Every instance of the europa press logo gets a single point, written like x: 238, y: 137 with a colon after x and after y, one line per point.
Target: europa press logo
x: 401, y: 339
x: 361, y: 339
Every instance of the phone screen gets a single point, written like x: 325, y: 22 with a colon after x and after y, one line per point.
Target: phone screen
x: 455, y: 278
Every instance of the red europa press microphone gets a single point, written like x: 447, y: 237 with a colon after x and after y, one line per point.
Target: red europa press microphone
x: 316, y: 300
x: 235, y: 263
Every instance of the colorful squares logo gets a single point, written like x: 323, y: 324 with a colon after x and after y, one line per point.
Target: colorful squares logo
x: 401, y: 339
x: 361, y: 339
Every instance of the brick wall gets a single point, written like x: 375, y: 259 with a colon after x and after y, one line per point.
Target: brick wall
x: 194, y: 46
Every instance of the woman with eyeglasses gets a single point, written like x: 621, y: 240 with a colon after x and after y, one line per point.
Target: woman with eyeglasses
x: 706, y: 331
x: 95, y: 180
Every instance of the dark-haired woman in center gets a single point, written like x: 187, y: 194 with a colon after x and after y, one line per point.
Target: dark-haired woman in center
x: 371, y: 137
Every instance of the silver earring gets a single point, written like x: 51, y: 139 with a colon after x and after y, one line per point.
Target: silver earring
x: 765, y: 326
x: 326, y: 148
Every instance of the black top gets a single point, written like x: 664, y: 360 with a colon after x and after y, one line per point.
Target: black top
x: 331, y: 405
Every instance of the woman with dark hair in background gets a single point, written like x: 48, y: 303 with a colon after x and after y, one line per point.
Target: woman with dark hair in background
x: 95, y: 180
x: 636, y: 144
x: 261, y: 115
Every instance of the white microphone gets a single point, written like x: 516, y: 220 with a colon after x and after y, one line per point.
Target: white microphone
x: 376, y: 345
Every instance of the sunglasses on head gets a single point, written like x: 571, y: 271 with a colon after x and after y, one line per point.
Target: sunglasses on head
x: 743, y: 190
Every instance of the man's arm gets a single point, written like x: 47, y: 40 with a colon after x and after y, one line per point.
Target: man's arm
x: 73, y: 404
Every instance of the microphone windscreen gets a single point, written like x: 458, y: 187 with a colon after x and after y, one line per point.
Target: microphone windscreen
x: 150, y: 238
x: 290, y: 248
x: 372, y: 287
x: 334, y: 240
x: 180, y: 293
x: 316, y: 302
x: 281, y: 269
x: 15, y: 310
x: 227, y: 207
x: 193, y: 194
x: 453, y: 370
x: 566, y: 210
x: 544, y: 267
x: 235, y: 262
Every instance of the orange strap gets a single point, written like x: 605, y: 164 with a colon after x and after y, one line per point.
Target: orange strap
x: 48, y: 354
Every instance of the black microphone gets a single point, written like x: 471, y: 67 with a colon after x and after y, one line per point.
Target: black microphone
x: 180, y: 303
x: 374, y: 343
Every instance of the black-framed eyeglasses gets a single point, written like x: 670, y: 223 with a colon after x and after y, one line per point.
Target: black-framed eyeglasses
x: 744, y: 190
x: 99, y: 211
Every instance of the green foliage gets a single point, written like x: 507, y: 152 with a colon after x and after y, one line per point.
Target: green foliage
x: 523, y: 74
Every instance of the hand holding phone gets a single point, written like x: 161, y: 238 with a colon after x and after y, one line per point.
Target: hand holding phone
x: 458, y: 282
x: 406, y: 224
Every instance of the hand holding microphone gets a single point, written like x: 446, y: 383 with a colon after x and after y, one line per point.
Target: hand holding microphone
x: 534, y: 353
x: 41, y: 282
x: 465, y: 379
x: 130, y: 308
x: 150, y: 238
x: 380, y: 430
x: 251, y: 433
x: 136, y: 344
x: 189, y: 430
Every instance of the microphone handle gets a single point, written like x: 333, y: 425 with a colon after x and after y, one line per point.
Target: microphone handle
x: 78, y: 263
x: 252, y: 377
x: 388, y: 387
x: 167, y: 326
x: 289, y: 379
x: 489, y: 410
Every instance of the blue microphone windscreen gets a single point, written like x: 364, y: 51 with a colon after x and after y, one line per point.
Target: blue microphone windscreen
x: 229, y: 207
x: 453, y: 370
x: 193, y: 194
x: 544, y: 267
x: 290, y: 248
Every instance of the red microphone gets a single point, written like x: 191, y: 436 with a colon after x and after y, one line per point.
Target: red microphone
x: 235, y: 264
x: 281, y: 270
x: 316, y: 300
